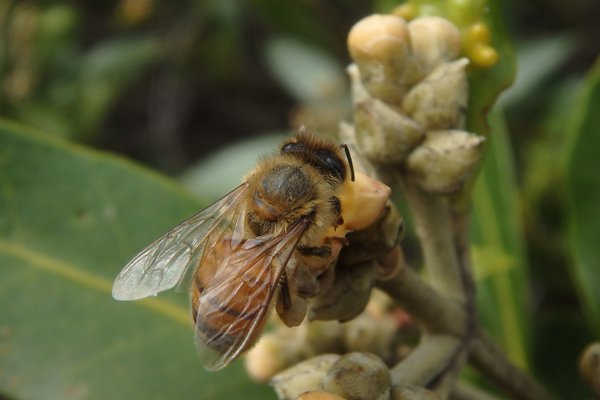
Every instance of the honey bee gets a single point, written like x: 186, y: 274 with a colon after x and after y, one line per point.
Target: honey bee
x: 265, y: 242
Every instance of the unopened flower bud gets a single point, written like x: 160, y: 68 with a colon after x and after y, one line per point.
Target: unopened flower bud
x: 477, y: 45
x: 274, y: 352
x: 440, y: 100
x: 359, y: 376
x: 363, y: 201
x: 319, y: 395
x: 435, y: 40
x: 303, y: 377
x: 445, y: 160
x: 589, y: 366
x: 367, y: 333
x: 380, y: 46
x: 383, y: 134
x: 408, y: 392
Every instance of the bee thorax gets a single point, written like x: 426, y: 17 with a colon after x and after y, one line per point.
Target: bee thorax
x: 281, y: 191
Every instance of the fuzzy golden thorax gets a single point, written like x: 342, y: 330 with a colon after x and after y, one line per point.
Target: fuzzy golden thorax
x: 283, y: 190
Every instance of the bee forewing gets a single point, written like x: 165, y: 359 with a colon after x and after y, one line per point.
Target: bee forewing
x: 163, y: 264
x: 234, y: 305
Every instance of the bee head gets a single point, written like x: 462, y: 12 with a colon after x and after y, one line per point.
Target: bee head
x: 323, y: 155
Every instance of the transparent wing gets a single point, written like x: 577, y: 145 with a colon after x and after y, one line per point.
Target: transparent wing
x: 163, y: 263
x: 233, y: 307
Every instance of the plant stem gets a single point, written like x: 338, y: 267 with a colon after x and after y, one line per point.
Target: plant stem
x: 443, y: 315
x: 433, y: 224
x: 435, y: 349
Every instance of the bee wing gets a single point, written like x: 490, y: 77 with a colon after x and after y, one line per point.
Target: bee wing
x: 163, y: 263
x: 233, y: 307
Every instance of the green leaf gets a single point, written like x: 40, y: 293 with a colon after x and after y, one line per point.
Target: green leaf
x: 216, y: 175
x: 538, y: 60
x: 307, y: 73
x: 498, y: 247
x: 583, y: 196
x: 70, y: 218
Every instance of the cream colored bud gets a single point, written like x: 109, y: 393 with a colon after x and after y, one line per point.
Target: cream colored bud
x: 319, y: 395
x: 366, y: 333
x: 435, y: 40
x: 589, y: 366
x: 363, y: 202
x: 407, y: 392
x: 380, y: 46
x: 273, y: 353
x: 384, y: 38
x: 359, y: 376
x: 445, y: 160
x: 383, y: 134
x: 303, y: 377
x: 440, y: 100
x: 323, y: 337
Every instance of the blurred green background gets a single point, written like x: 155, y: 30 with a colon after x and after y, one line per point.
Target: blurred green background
x: 97, y: 96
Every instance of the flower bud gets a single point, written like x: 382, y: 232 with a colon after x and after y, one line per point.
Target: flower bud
x: 589, y: 366
x: 435, y: 40
x: 359, y: 376
x: 319, y: 395
x: 445, y: 160
x: 363, y: 202
x: 274, y: 352
x: 303, y: 377
x: 380, y: 46
x: 367, y: 333
x: 440, y: 100
x: 409, y: 392
x: 383, y: 134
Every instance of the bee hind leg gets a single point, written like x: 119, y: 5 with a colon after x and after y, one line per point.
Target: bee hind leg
x: 285, y: 296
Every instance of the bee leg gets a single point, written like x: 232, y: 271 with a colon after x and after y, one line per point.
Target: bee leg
x: 290, y: 308
x: 315, y: 251
x: 336, y: 204
x: 284, y: 293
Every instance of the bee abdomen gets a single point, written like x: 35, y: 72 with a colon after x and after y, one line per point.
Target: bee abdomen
x: 220, y: 324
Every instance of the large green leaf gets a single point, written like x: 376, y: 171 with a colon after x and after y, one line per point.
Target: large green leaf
x: 69, y: 220
x: 498, y: 247
x: 583, y: 196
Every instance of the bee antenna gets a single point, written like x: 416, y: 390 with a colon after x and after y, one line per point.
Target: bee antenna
x: 349, y: 157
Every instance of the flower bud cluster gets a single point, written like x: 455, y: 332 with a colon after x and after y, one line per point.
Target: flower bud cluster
x: 383, y: 330
x: 360, y: 376
x: 410, y: 96
x: 469, y: 17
